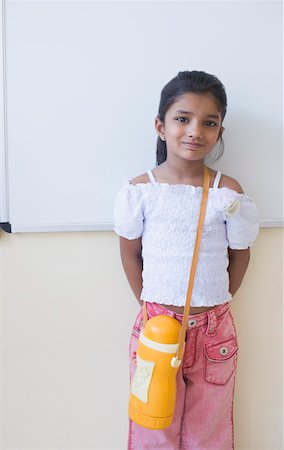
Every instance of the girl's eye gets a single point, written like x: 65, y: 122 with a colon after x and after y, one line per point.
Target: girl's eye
x: 181, y: 119
x: 212, y: 124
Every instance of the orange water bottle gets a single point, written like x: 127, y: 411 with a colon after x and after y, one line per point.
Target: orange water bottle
x: 153, y: 387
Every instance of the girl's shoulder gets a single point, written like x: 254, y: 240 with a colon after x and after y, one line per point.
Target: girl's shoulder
x: 143, y: 178
x: 230, y: 183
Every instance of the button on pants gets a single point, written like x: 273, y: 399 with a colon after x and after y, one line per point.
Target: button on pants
x: 203, y: 417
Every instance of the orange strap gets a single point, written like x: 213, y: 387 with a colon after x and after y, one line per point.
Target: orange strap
x: 194, y: 262
x: 206, y: 184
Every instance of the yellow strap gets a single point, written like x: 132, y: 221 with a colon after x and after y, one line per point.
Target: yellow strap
x: 194, y: 262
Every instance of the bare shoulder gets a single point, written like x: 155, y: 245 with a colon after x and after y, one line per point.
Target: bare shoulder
x: 230, y: 183
x: 144, y: 178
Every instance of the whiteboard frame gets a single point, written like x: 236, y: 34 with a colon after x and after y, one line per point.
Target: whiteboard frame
x: 107, y: 226
x: 4, y: 191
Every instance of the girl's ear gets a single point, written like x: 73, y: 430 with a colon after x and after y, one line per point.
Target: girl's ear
x: 160, y: 128
x: 221, y: 131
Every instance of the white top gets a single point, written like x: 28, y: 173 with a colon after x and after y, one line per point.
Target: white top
x: 166, y: 216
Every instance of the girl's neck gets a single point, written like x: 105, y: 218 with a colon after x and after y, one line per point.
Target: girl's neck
x: 189, y: 170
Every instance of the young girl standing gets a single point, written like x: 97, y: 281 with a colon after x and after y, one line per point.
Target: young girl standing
x: 156, y: 216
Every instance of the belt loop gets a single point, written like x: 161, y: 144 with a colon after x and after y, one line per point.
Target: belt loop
x: 212, y: 323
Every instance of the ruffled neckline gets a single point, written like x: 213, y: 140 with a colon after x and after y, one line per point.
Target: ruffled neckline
x: 222, y: 198
x: 187, y: 186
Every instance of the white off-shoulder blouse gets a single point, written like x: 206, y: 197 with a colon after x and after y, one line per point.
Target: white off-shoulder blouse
x: 166, y: 217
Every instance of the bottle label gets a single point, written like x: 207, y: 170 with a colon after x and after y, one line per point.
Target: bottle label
x: 142, y: 379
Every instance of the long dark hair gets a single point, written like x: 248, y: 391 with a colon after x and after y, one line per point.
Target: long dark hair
x: 199, y: 83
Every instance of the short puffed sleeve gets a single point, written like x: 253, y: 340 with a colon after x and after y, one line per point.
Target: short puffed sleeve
x: 242, y: 223
x: 128, y: 212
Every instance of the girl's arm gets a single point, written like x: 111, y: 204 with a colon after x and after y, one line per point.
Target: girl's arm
x: 130, y: 252
x: 238, y: 263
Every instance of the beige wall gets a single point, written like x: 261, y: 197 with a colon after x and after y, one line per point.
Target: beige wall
x: 66, y: 313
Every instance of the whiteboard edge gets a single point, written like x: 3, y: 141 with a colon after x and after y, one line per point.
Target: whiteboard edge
x: 104, y: 226
x: 4, y: 192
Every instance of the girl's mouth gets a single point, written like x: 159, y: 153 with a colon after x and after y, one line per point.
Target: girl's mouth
x: 192, y: 146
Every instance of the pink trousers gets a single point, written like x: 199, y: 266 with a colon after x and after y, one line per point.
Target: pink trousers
x: 203, y: 418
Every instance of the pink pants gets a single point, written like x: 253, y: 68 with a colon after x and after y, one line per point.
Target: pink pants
x: 203, y: 418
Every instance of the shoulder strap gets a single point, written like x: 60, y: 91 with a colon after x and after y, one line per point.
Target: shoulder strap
x: 217, y: 179
x: 202, y: 213
x: 194, y: 263
x: 151, y: 176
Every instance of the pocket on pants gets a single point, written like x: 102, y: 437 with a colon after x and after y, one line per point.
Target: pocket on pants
x: 220, y: 360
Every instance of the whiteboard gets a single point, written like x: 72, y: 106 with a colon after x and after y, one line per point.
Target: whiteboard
x: 81, y: 89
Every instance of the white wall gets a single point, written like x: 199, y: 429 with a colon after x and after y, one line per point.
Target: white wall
x: 67, y: 313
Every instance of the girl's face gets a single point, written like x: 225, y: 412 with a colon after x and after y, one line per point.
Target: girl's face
x: 192, y: 127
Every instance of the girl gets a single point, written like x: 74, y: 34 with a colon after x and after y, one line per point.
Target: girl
x: 156, y: 215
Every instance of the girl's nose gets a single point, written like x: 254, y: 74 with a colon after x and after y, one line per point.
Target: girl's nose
x: 194, y: 131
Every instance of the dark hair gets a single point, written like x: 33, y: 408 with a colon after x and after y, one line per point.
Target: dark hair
x: 199, y: 83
